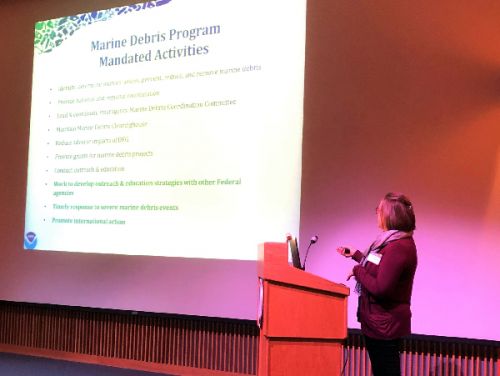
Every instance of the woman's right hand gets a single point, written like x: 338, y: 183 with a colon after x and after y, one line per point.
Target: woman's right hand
x: 346, y: 251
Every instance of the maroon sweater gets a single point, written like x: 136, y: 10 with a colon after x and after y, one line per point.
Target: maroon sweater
x: 384, y: 304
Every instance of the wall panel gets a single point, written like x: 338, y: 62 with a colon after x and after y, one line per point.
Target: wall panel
x: 204, y: 346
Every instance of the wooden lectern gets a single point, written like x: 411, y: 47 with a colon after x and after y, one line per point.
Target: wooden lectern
x: 302, y: 317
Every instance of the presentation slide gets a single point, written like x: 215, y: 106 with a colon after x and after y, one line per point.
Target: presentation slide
x: 160, y: 131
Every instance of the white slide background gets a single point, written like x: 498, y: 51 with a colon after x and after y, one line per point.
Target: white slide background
x: 190, y: 156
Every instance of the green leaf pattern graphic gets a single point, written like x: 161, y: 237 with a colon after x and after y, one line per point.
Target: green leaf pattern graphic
x: 52, y: 33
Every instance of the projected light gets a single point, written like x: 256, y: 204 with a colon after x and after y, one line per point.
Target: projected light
x: 156, y: 130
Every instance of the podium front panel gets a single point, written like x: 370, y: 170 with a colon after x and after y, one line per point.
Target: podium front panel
x: 299, y: 358
x: 291, y: 311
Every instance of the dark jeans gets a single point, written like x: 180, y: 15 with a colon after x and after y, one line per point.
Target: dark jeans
x: 384, y: 356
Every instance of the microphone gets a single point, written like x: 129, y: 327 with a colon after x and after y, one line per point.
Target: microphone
x: 313, y: 240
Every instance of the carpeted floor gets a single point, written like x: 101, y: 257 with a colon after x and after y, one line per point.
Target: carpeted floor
x: 21, y: 365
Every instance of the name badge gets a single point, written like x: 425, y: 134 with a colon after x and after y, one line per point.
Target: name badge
x: 374, y: 258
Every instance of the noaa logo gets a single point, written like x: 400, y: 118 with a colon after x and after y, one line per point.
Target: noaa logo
x: 30, y: 240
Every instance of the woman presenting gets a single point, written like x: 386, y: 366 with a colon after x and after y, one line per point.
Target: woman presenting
x: 384, y: 278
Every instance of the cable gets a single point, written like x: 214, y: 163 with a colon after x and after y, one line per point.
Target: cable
x: 345, y: 359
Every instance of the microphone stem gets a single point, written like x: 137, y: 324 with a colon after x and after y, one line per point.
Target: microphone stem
x: 305, y: 258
